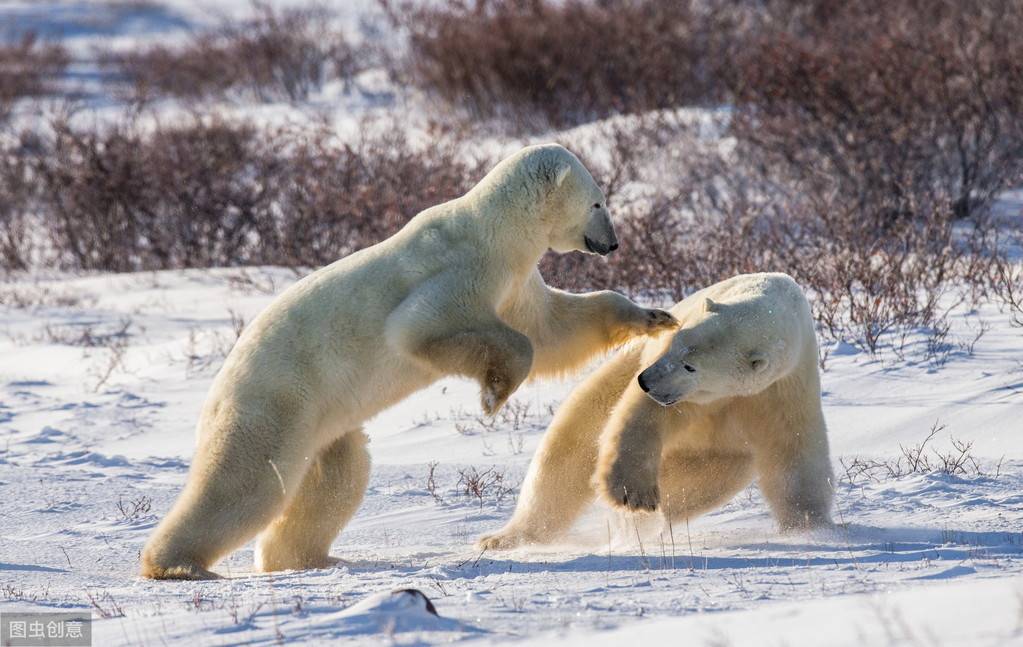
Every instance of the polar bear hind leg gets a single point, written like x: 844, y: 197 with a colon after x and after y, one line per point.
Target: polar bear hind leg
x: 326, y: 500
x: 237, y: 486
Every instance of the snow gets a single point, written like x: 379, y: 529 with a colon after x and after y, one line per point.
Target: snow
x: 102, y: 377
x: 75, y: 458
x: 975, y: 615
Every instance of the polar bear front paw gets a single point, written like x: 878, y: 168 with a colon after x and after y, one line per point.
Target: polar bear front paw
x: 623, y: 487
x: 634, y: 320
x: 656, y: 321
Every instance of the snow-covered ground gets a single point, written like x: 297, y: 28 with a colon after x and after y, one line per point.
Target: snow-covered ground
x: 102, y: 378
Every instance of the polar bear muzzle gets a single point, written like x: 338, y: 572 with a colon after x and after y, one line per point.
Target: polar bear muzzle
x: 599, y: 236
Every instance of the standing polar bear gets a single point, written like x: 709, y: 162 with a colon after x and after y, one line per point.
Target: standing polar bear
x: 455, y: 292
x: 683, y: 423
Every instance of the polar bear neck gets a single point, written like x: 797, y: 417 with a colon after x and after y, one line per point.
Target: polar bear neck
x: 508, y: 206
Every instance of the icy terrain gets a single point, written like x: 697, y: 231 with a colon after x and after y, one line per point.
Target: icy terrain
x: 102, y: 379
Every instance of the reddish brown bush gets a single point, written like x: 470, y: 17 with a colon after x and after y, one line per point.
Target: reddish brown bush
x: 121, y: 200
x: 16, y: 193
x: 565, y: 62
x: 275, y: 54
x: 865, y: 286
x: 886, y: 103
x: 1007, y: 286
x: 716, y: 217
x: 336, y: 198
x: 27, y: 69
x: 211, y: 192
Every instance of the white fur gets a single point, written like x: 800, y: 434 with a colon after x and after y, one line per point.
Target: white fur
x: 749, y: 408
x: 456, y: 291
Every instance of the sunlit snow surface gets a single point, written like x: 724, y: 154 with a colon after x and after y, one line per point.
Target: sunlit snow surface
x: 74, y: 455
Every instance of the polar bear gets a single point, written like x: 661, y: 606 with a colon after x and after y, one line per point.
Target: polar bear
x: 683, y: 422
x: 456, y: 292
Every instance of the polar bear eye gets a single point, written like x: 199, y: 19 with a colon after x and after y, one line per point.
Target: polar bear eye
x: 596, y: 205
x: 689, y: 368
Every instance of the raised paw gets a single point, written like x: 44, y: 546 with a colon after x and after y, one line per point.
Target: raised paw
x: 657, y: 321
x: 634, y: 320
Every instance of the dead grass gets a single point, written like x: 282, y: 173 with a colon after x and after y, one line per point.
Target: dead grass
x: 135, y: 508
x: 485, y: 485
x: 921, y: 458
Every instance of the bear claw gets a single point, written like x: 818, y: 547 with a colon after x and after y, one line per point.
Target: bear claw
x: 659, y: 320
x: 620, y: 495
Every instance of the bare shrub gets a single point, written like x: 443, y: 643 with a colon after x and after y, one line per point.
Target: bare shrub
x: 880, y: 132
x: 188, y: 196
x: 105, y: 605
x: 43, y: 296
x: 565, y: 62
x: 882, y: 103
x: 865, y: 286
x: 17, y: 191
x: 210, y: 192
x: 275, y: 54
x: 338, y: 197
x: 714, y: 215
x: 28, y: 68
x: 482, y: 485
x: 1007, y: 285
x: 87, y: 335
x: 431, y: 481
x: 116, y: 349
x: 135, y: 508
x: 921, y: 458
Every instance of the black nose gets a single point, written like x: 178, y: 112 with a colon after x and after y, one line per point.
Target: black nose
x: 612, y: 247
x: 642, y: 384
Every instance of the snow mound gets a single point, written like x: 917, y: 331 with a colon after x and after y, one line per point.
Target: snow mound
x: 399, y: 611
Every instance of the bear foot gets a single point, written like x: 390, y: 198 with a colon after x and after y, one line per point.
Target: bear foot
x: 634, y: 321
x: 502, y: 540
x: 181, y: 572
x: 804, y: 522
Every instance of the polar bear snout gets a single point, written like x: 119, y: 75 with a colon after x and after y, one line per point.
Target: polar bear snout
x: 664, y: 384
x: 599, y: 236
x: 642, y: 384
x: 599, y: 248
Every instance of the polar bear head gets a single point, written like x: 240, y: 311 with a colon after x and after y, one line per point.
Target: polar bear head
x: 729, y: 349
x: 550, y: 185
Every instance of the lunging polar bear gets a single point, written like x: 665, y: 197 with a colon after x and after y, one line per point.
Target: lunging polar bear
x: 682, y: 423
x: 455, y: 292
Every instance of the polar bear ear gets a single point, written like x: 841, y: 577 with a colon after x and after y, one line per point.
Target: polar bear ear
x: 561, y: 171
x: 758, y: 361
x: 711, y: 306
